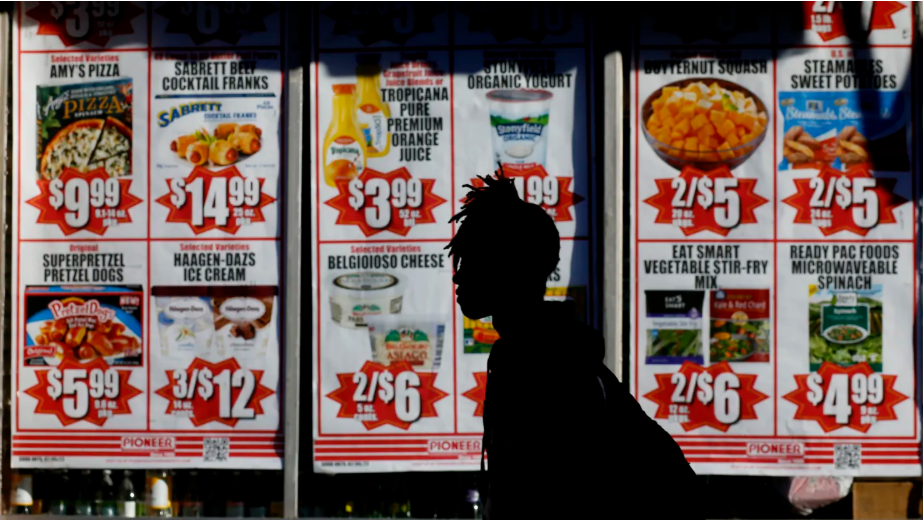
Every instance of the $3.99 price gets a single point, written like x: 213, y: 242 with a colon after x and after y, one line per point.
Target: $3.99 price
x: 867, y: 391
x: 81, y: 197
x: 706, y: 191
x: 857, y: 192
x: 702, y: 386
x: 203, y: 382
x: 77, y: 386
x: 405, y: 195
x: 217, y: 198
x: 385, y: 387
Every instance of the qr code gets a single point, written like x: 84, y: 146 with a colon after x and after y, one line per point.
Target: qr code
x: 216, y: 449
x: 847, y: 456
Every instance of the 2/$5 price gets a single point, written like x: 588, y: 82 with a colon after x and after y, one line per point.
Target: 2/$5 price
x: 217, y: 198
x: 78, y: 386
x: 858, y: 192
x: 706, y: 192
x: 82, y: 198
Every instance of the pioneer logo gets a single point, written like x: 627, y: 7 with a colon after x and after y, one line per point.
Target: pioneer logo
x: 455, y: 446
x: 792, y: 450
x: 148, y: 443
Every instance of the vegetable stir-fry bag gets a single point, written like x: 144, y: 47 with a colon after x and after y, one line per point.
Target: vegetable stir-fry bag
x: 674, y: 326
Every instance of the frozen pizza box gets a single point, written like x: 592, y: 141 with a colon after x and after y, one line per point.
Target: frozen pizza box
x: 85, y: 126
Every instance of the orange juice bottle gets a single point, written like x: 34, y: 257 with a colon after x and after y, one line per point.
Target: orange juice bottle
x: 371, y: 112
x: 344, y: 145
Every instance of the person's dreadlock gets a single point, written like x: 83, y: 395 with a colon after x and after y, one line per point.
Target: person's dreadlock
x: 495, y: 216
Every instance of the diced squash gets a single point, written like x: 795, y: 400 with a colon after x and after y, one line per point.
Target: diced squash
x: 702, y: 136
x: 757, y: 128
x: 668, y: 90
x: 654, y: 120
x: 746, y: 120
x: 725, y: 155
x: 674, y: 106
x: 717, y: 117
x: 732, y: 140
x: 762, y: 119
x: 699, y: 121
x: 664, y: 114
x: 747, y: 138
x: 658, y: 104
x: 669, y: 122
x: 707, y: 154
x: 725, y: 128
x: 682, y: 126
x: 713, y: 143
x: 709, y: 129
x: 687, y: 112
x: 678, y: 144
x: 732, y: 117
x: 741, y: 131
x: 691, y: 143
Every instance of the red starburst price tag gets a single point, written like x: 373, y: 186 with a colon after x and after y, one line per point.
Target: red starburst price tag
x: 853, y: 201
x: 221, y: 392
x: 224, y: 200
x: 78, y: 22
x: 826, y: 18
x: 854, y: 397
x: 75, y: 391
x: 377, y: 395
x: 715, y: 396
x: 553, y: 194
x: 78, y: 201
x: 377, y: 202
x: 478, y: 393
x: 205, y: 22
x: 697, y: 201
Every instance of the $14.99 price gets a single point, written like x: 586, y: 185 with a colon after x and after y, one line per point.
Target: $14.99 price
x: 218, y: 200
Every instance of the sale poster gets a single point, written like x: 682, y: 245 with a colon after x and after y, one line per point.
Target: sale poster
x: 148, y: 178
x: 773, y: 260
x: 411, y: 104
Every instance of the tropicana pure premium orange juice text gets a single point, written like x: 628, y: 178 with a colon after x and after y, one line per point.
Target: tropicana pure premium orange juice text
x: 344, y: 144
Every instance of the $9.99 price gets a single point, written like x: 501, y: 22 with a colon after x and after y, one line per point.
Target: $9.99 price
x: 206, y: 385
x: 701, y: 386
x: 82, y: 198
x: 76, y: 387
x: 386, y: 388
x: 218, y: 198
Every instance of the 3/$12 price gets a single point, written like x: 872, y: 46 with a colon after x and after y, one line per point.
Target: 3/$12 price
x: 203, y: 381
x: 82, y: 199
x: 843, y: 391
x: 702, y: 386
x: 78, y: 386
x: 218, y: 199
x: 857, y: 192
x: 705, y: 191
x: 402, y: 389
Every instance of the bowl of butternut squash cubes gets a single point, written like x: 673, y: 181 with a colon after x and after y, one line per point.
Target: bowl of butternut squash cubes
x: 704, y: 123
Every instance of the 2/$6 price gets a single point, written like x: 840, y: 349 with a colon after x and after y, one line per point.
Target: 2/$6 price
x: 217, y: 201
x: 78, y: 386
x: 860, y: 389
x: 706, y: 192
x: 858, y: 192
x: 82, y: 198
x: 702, y: 386
x: 402, y: 389
x: 186, y: 384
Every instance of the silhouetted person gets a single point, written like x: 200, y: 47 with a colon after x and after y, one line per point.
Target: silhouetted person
x: 563, y: 438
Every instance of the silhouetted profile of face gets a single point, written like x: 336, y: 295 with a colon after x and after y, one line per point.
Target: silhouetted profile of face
x: 502, y: 252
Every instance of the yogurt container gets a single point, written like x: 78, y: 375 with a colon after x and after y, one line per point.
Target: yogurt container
x: 415, y: 339
x: 355, y: 296
x: 518, y: 124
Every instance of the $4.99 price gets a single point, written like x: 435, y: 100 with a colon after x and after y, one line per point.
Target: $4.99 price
x: 204, y: 382
x: 719, y: 191
x: 857, y: 192
x: 77, y: 386
x: 406, y: 195
x: 81, y: 197
x: 702, y: 386
x: 217, y: 198
x: 867, y: 391
x: 385, y: 387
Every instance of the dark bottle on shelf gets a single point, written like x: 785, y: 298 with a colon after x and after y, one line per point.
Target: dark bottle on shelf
x: 83, y: 506
x: 472, y: 507
x: 257, y: 498
x: 56, y: 492
x: 104, y: 505
x: 235, y: 506
x: 127, y: 499
x: 21, y: 493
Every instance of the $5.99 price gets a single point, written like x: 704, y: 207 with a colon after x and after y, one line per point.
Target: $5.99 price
x: 386, y: 388
x: 706, y: 192
x: 76, y: 387
x: 702, y: 386
x: 857, y: 192
x: 80, y: 197
x: 844, y: 390
x: 216, y: 199
x: 406, y: 195
x: 203, y: 382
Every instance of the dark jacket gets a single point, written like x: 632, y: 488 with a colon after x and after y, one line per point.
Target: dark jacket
x: 564, y: 437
